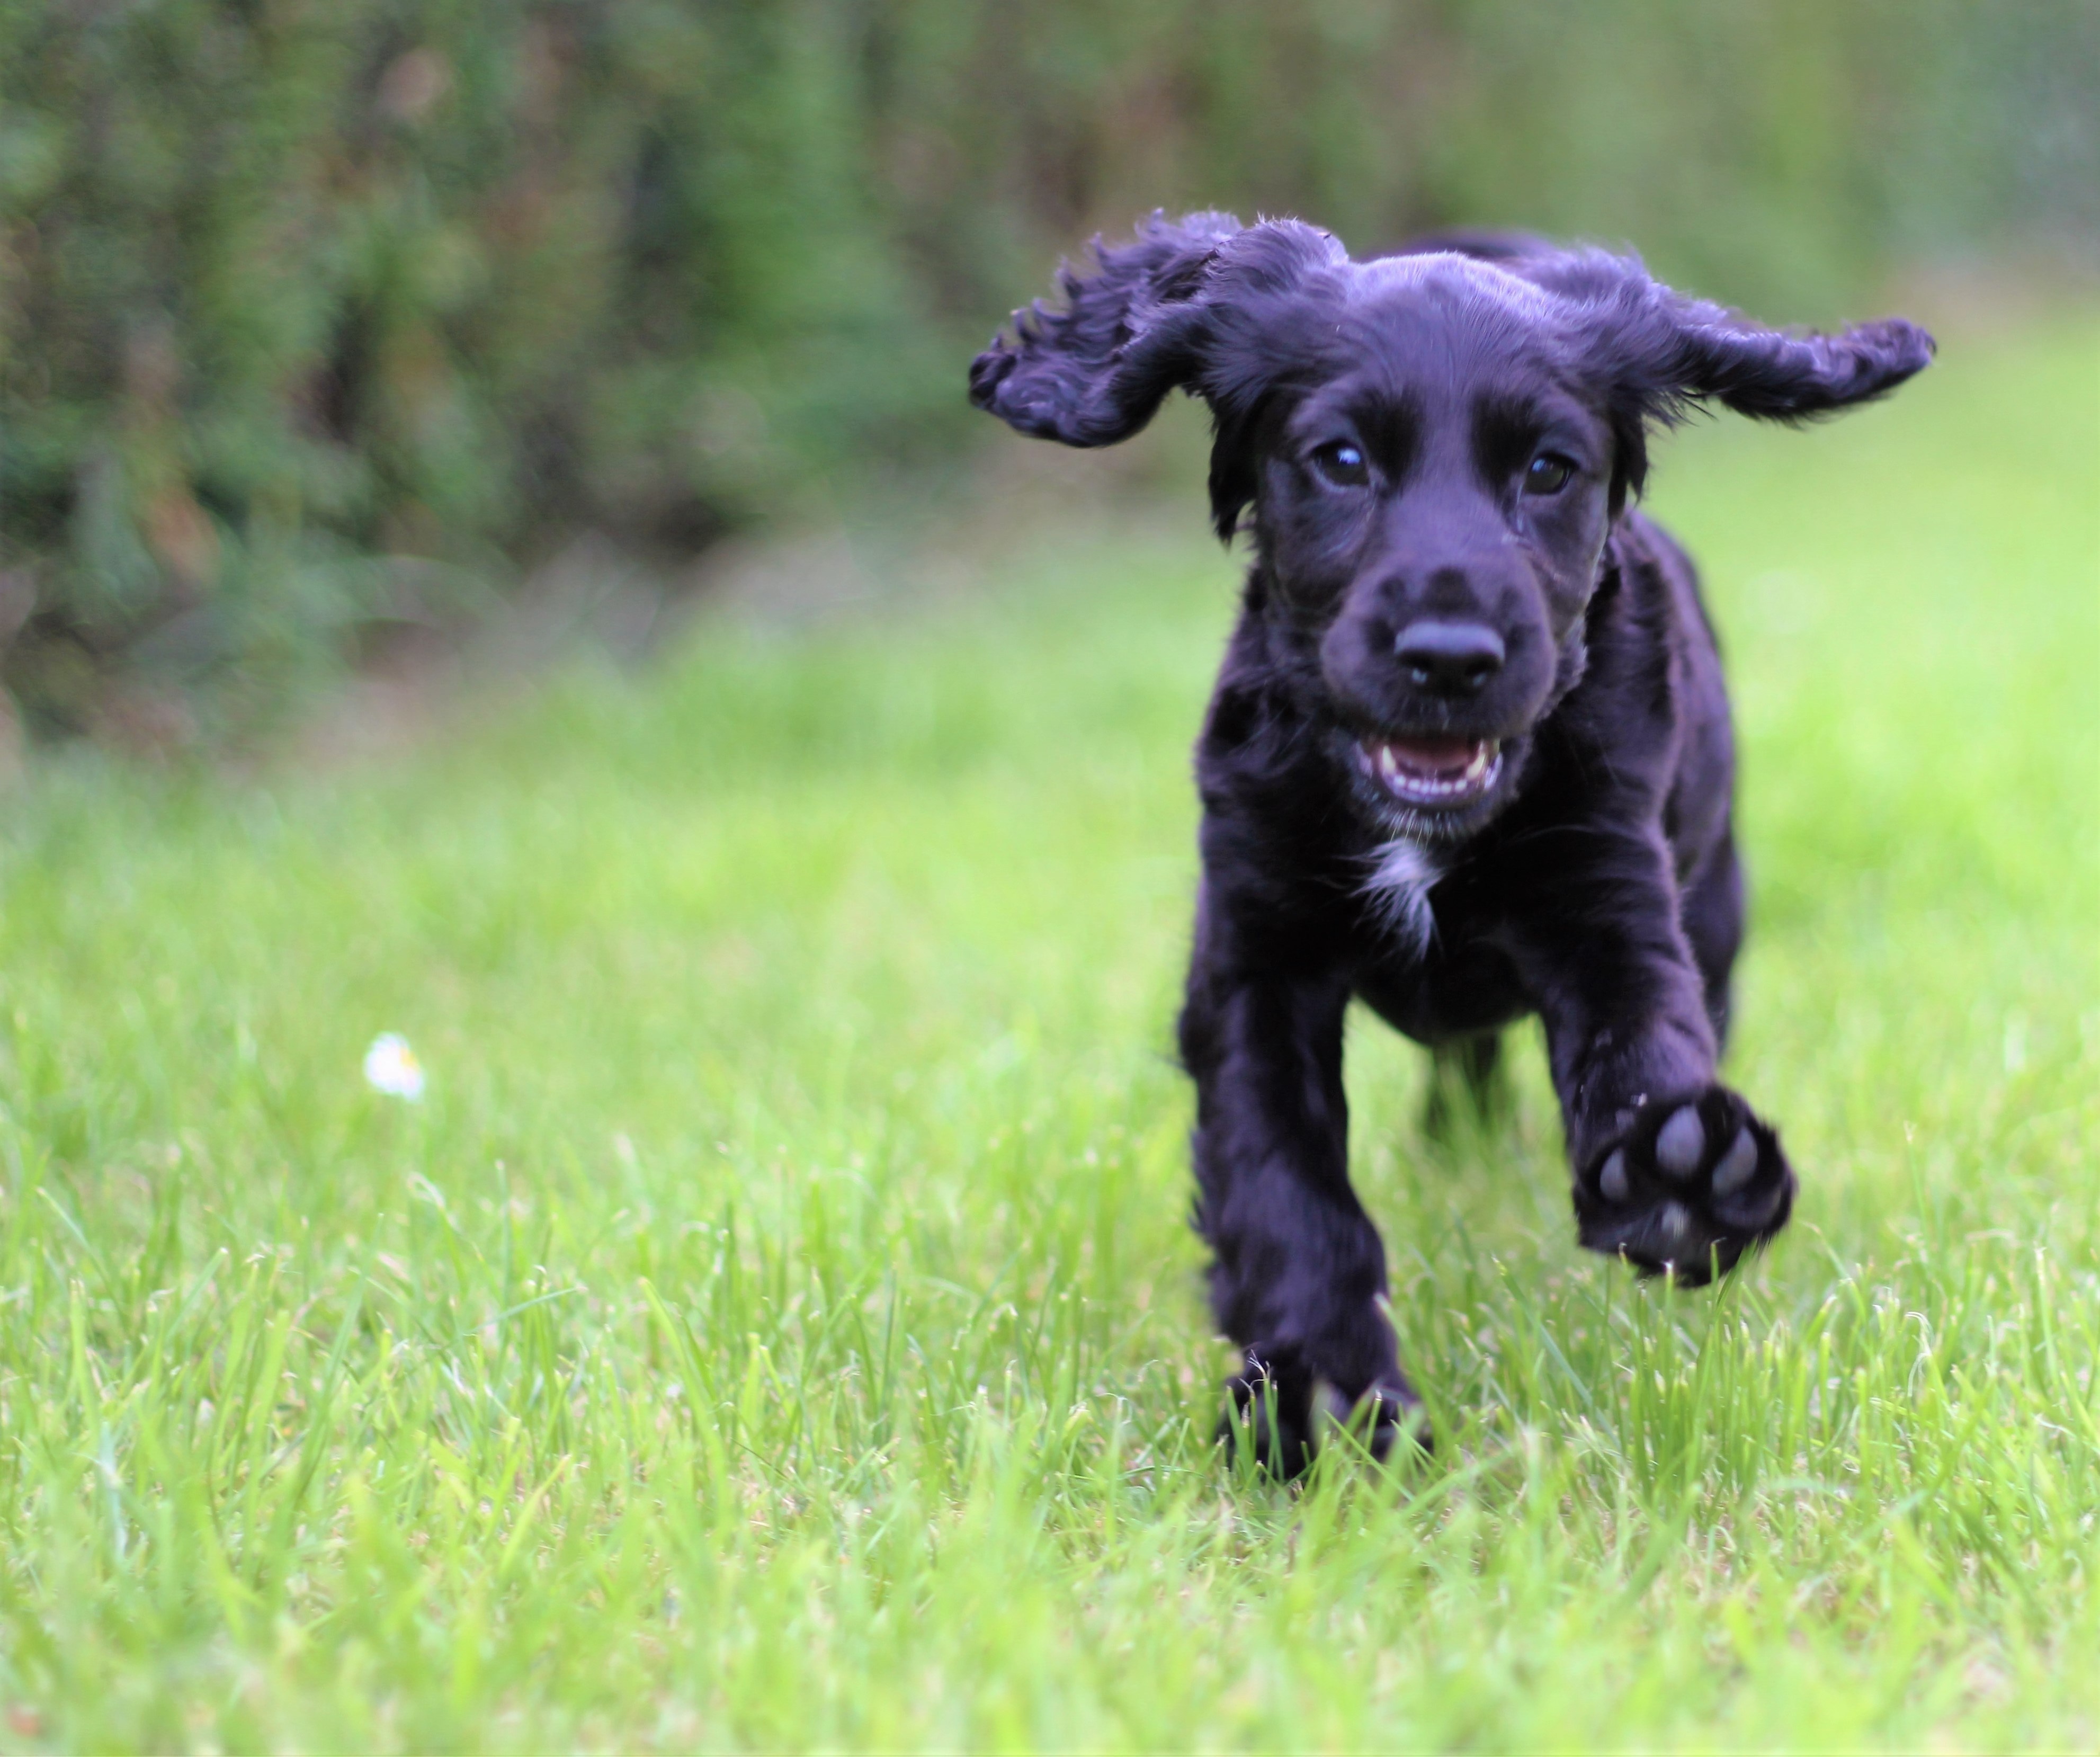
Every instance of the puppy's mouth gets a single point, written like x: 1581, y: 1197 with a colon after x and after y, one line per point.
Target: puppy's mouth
x: 1432, y: 773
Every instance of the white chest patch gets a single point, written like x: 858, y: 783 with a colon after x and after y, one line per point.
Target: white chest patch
x: 1401, y: 873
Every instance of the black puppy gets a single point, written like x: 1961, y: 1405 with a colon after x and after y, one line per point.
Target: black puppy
x: 1469, y: 756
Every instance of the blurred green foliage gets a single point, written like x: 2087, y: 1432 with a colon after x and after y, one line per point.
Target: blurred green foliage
x: 317, y: 315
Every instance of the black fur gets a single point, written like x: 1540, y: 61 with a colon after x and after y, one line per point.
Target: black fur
x: 1439, y: 448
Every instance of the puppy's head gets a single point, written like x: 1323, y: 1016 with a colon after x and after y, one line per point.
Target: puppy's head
x: 1434, y: 447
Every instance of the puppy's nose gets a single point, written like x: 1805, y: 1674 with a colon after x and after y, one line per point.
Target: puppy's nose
x: 1450, y: 658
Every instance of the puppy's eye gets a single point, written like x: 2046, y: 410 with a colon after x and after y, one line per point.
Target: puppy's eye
x: 1342, y: 464
x: 1548, y: 474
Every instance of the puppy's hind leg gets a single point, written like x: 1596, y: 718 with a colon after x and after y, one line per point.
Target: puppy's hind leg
x: 1468, y: 1087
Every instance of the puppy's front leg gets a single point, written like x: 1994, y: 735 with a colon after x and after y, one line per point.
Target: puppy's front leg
x: 1672, y: 1170
x: 1300, y: 1273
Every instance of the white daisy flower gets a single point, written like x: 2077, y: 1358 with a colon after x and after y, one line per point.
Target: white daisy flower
x: 390, y: 1066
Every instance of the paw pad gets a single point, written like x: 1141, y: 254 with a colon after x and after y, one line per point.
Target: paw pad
x: 1613, y: 1181
x: 1690, y: 1187
x: 1736, y: 1164
x: 1681, y: 1142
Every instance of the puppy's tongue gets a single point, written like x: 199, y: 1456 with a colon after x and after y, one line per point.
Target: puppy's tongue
x: 1435, y: 755
x: 1432, y: 771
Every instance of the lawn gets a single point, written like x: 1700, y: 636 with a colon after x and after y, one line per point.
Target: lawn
x: 778, y: 1325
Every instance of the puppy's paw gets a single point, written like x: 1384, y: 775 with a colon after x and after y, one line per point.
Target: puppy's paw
x: 1285, y: 1425
x: 1274, y: 1425
x: 1694, y: 1184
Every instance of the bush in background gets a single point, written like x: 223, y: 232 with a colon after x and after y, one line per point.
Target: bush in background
x: 322, y: 316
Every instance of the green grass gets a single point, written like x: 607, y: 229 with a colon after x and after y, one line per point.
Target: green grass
x: 778, y: 1326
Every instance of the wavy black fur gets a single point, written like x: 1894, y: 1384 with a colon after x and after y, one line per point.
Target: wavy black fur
x: 1593, y: 879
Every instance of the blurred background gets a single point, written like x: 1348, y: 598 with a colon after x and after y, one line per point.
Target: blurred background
x: 330, y: 329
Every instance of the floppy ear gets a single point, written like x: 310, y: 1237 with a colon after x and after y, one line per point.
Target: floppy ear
x: 1164, y: 311
x: 1661, y: 354
x: 1779, y: 377
x: 1096, y: 372
x: 1706, y: 352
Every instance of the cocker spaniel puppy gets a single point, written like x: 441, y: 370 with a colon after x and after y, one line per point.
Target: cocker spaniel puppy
x: 1469, y: 755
